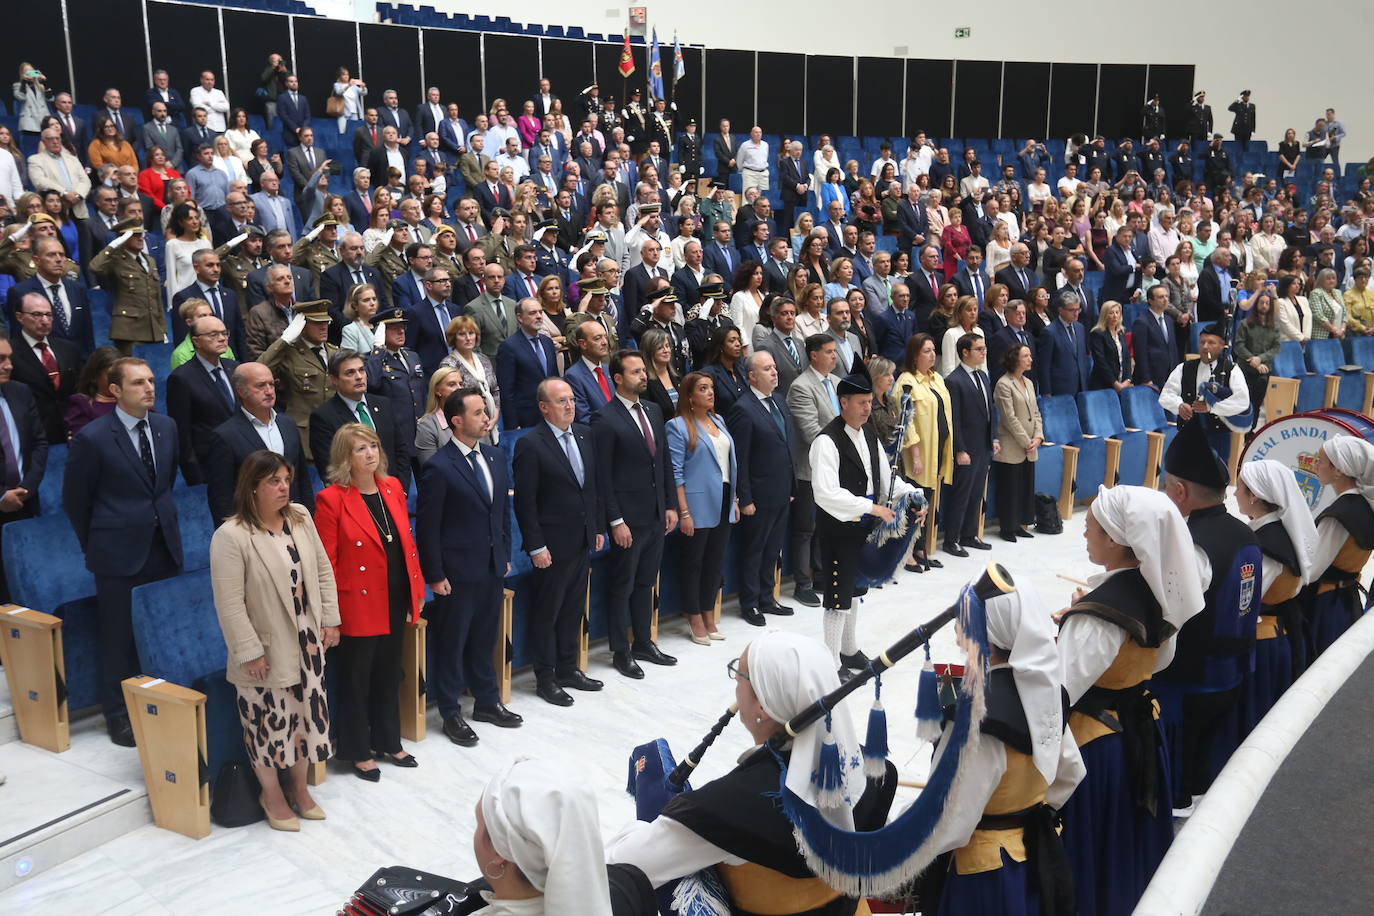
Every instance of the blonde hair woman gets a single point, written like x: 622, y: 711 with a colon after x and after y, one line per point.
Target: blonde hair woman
x: 359, y: 306
x: 432, y: 431
x: 476, y: 371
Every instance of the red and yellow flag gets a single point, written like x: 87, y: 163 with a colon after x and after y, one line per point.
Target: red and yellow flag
x: 627, y: 59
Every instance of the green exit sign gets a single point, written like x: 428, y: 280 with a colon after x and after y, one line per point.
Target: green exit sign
x: 965, y: 32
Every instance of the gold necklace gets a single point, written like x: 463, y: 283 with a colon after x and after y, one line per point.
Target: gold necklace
x: 384, y: 522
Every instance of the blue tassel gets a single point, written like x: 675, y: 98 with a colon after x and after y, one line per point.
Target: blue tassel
x: 829, y: 775
x: 930, y: 715
x: 875, y: 746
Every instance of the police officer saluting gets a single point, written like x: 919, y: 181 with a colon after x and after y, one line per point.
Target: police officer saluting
x: 394, y: 370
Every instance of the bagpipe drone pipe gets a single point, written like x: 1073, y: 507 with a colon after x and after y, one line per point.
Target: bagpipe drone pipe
x: 855, y: 863
x: 888, y: 543
x: 400, y: 891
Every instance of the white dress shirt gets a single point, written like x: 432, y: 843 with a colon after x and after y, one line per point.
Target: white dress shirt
x: 825, y: 477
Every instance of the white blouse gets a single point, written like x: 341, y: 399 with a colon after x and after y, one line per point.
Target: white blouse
x: 241, y: 142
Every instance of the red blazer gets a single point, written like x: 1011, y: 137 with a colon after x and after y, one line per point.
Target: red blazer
x: 355, y: 551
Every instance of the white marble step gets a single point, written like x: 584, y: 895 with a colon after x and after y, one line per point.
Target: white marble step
x: 9, y: 728
x: 55, y: 807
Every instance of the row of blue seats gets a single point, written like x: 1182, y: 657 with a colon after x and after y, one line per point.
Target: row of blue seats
x: 405, y: 14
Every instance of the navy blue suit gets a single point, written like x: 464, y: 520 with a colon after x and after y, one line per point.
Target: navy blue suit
x: 234, y: 440
x: 767, y: 480
x: 462, y: 533
x: 232, y: 315
x: 1107, y: 368
x: 406, y: 291
x: 1064, y: 366
x: 425, y: 336
x: 33, y: 454
x: 1156, y: 350
x: 1121, y: 278
x: 517, y: 288
x: 127, y: 526
x: 972, y: 430
x: 714, y: 261
x: 399, y: 119
x: 1009, y: 278
x: 519, y: 372
x: 197, y: 405
x: 335, y: 283
x: 1088, y: 316
x: 358, y: 214
x: 894, y: 328
x: 586, y: 390
x: 293, y: 115
x: 80, y: 329
x: 963, y: 281
x: 911, y: 222
x: 1000, y: 342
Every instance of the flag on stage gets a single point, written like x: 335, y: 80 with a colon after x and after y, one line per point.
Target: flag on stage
x: 627, y: 59
x: 679, y: 65
x: 655, y: 68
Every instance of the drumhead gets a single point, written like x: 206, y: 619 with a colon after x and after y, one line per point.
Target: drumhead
x: 1295, y: 440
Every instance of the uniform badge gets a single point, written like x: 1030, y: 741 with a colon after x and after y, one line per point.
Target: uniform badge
x: 1247, y: 587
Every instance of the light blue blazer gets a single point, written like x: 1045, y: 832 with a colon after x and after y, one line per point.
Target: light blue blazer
x: 698, y: 472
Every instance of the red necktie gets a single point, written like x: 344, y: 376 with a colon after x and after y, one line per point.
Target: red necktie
x: 601, y: 380
x: 529, y: 281
x: 49, y: 363
x: 472, y: 234
x: 374, y: 136
x: 644, y: 427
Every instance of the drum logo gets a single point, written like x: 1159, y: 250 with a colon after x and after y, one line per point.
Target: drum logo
x: 1306, y: 474
x: 1247, y: 587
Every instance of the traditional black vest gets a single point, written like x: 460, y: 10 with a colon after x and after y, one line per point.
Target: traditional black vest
x: 1125, y: 599
x: 1355, y: 515
x: 851, y: 467
x: 1221, y: 373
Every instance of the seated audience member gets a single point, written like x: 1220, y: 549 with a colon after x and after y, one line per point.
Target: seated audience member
x: 351, y: 404
x: 21, y: 426
x: 48, y: 365
x: 92, y: 397
x: 200, y: 395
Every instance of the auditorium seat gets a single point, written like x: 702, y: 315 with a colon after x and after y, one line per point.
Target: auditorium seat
x: 1140, y: 409
x: 193, y: 517
x: 1059, y: 414
x: 1325, y: 358
x: 1312, y: 388
x: 50, y: 489
x: 1099, y: 412
x: 1362, y: 354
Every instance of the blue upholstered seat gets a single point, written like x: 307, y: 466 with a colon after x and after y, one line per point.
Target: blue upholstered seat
x: 1099, y: 412
x: 1325, y: 357
x: 50, y: 489
x: 1062, y: 427
x: 193, y: 516
x: 1292, y: 363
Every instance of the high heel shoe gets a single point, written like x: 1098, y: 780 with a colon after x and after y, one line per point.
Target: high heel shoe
x: 715, y: 635
x: 700, y: 640
x: 289, y: 825
x: 314, y: 814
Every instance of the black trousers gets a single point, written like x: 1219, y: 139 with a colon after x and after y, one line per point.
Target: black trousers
x: 463, y: 631
x: 1204, y: 715
x: 964, y: 497
x: 1258, y: 383
x: 367, y: 714
x: 114, y: 602
x: 701, y: 556
x: 558, y: 595
x: 840, y: 544
x: 633, y: 573
x: 804, y: 554
x: 1015, y: 495
x: 762, y: 535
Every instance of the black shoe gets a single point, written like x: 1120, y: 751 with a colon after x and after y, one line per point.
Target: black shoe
x: 932, y: 563
x: 955, y: 550
x: 627, y: 666
x: 552, y: 693
x: 913, y: 567
x: 578, y: 681
x: 977, y: 544
x: 780, y: 610
x: 807, y: 596
x: 752, y: 616
x: 497, y: 715
x: 857, y: 662
x: 846, y: 675
x: 372, y: 775
x: 459, y: 732
x: 1009, y: 536
x: 408, y: 762
x: 121, y: 731
x: 648, y: 652
x: 1023, y: 533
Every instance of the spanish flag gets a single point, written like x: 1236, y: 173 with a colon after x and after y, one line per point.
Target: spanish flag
x: 627, y: 60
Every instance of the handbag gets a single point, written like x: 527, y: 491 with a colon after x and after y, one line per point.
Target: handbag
x: 1047, y: 520
x: 235, y: 799
x: 334, y: 106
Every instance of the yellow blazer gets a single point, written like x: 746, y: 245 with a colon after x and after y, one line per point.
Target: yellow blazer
x: 253, y: 598
x: 1018, y: 418
x: 928, y: 393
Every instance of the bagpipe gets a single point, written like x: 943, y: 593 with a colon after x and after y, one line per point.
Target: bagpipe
x: 400, y: 891
x: 870, y: 863
x: 1218, y: 388
x: 888, y: 542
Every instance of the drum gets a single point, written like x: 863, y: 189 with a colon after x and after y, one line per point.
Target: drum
x: 1295, y: 439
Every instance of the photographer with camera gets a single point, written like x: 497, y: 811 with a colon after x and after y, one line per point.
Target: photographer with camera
x: 32, y: 92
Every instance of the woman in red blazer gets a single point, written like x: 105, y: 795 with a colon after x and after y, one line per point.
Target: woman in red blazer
x: 365, y: 527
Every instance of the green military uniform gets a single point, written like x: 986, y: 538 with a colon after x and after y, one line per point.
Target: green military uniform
x: 18, y: 262
x: 301, y: 376
x: 137, y: 314
x: 390, y: 262
x: 499, y: 249
x: 315, y: 254
x: 235, y: 268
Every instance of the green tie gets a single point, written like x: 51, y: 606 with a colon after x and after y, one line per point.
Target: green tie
x: 363, y: 417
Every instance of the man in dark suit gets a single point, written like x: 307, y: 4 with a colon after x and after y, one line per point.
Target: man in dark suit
x: 726, y: 148
x: 638, y: 493
x: 277, y: 246
x: 462, y: 533
x: 777, y: 267
x: 256, y: 426
x: 351, y: 270
x: 117, y: 491
x: 223, y: 301
x: 1017, y: 276
x: 560, y: 516
x: 231, y: 220
x: 302, y: 162
x: 980, y: 216
x: 635, y: 287
x: 392, y: 114
x: 1064, y: 364
x: 197, y: 134
x: 70, y: 304
x: 200, y: 396
x: 388, y: 154
x: 1073, y: 283
x: 367, y: 137
x: 589, y: 377
x: 913, y: 225
x: 294, y: 110
x: 523, y: 360
x: 491, y: 195
x: 1214, y: 289
x: 761, y: 426
x: 429, y: 114
x: 427, y: 320
x: 1154, y: 338
x: 1121, y: 269
x: 969, y: 279
x: 24, y: 466
x: 924, y: 285
x: 453, y: 133
x: 76, y: 132
x: 794, y: 182
x: 47, y: 364
x: 894, y: 327
x: 1015, y: 332
x: 163, y: 93
x: 719, y: 255
x: 970, y: 395
x: 95, y: 232
x: 351, y: 404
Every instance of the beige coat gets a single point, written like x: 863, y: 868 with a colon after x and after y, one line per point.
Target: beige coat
x: 253, y: 598
x: 1019, y: 418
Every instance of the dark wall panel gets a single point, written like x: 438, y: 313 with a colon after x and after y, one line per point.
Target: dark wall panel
x: 928, y: 87
x: 782, y: 107
x: 1174, y: 83
x: 184, y: 41
x: 569, y: 68
x: 730, y: 89
x: 690, y: 98
x: 42, y: 46
x: 829, y: 95
x: 108, y: 50
x: 1073, y: 99
x: 322, y: 47
x: 391, y: 60
x: 880, y: 96
x: 977, y: 91
x: 1121, y: 92
x: 452, y: 63
x: 608, y: 75
x: 510, y: 62
x: 248, y: 39
x: 1025, y: 99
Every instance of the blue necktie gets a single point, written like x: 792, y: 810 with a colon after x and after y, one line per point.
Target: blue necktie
x: 830, y: 391
x: 777, y: 415
x: 574, y: 458
x: 477, y: 474
x: 539, y: 354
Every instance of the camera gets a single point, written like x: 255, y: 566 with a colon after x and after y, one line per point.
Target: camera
x: 335, y: 168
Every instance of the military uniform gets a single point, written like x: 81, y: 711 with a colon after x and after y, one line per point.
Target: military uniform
x: 689, y: 155
x: 389, y: 261
x: 301, y: 379
x: 18, y: 262
x: 315, y: 255
x: 499, y: 250
x: 234, y: 271
x: 137, y: 315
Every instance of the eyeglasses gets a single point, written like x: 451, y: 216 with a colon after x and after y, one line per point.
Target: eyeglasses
x: 732, y: 669
x: 38, y: 314
x: 213, y: 335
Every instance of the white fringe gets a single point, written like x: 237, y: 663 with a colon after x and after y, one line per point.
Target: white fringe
x: 696, y: 897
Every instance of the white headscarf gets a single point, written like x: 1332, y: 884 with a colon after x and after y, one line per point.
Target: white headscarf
x: 1148, y: 523
x: 788, y: 673
x: 541, y: 815
x: 1019, y: 623
x: 1353, y: 457
x: 1273, y: 482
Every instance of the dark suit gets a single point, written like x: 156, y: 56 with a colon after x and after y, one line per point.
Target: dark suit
x: 91, y: 236
x: 326, y: 419
x: 398, y: 118
x: 1121, y: 278
x: 1156, y: 350
x: 725, y: 262
x: 51, y: 399
x: 377, y: 163
x: 791, y: 172
x: 77, y: 140
x: 894, y: 328
x: 358, y: 213
x: 126, y: 523
x: 557, y: 513
x: 686, y: 287
x: 1213, y: 297
x: 725, y: 149
x: 303, y: 285
x: 406, y: 291
x: 193, y: 138
x: 964, y: 282
x: 634, y: 286
x: 80, y: 330
x: 197, y: 403
x: 1000, y: 342
x: 519, y: 372
x: 487, y: 201
x: 587, y: 390
x: 911, y: 222
x: 424, y: 119
x: 1088, y: 316
x: 775, y: 275
x: 335, y: 283
x: 364, y: 142
x: 451, y: 138
x: 231, y: 313
x: 424, y: 334
x: 462, y: 533
x: 972, y: 430
x: 176, y: 105
x: 31, y: 463
x: 294, y: 115
x: 1107, y: 368
x: 1064, y: 365
x: 636, y: 486
x: 924, y: 297
x: 767, y: 480
x: 233, y: 441
x: 1009, y: 278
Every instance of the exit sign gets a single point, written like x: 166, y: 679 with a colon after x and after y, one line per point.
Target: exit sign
x: 965, y: 32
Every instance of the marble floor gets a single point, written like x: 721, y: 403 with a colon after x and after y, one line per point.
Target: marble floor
x: 424, y: 817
